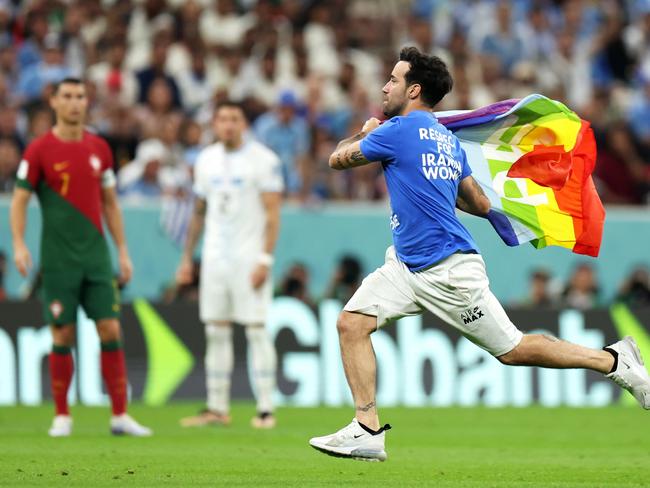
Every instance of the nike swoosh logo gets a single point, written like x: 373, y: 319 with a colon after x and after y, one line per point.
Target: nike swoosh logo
x: 61, y: 166
x: 357, y: 436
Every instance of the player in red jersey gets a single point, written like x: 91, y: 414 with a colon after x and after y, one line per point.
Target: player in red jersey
x: 71, y: 172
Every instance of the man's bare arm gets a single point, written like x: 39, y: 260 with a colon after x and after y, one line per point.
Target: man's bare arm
x: 113, y: 217
x: 471, y: 198
x: 272, y: 202
x: 196, y: 227
x: 115, y: 223
x: 184, y: 273
x: 348, y: 156
x: 348, y: 152
x: 18, y: 219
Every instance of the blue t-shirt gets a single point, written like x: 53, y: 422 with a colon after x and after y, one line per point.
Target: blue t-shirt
x: 423, y: 165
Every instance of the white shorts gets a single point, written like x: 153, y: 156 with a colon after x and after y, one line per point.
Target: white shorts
x: 227, y: 295
x: 455, y: 289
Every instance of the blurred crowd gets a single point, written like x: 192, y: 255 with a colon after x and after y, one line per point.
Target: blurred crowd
x: 309, y: 72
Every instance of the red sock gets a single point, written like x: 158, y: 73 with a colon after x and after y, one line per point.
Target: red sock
x: 61, y: 370
x: 114, y: 374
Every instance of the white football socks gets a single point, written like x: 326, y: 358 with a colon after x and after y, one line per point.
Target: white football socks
x: 264, y: 363
x: 219, y: 360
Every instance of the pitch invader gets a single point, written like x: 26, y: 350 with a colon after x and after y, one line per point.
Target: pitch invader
x: 71, y: 172
x: 238, y: 185
x: 435, y: 264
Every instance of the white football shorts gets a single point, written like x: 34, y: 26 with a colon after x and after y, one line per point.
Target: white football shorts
x: 226, y: 293
x: 456, y: 290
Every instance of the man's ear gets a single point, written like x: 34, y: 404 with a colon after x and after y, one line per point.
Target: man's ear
x: 414, y: 91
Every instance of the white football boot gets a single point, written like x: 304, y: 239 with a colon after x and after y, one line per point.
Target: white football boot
x: 353, y: 441
x: 61, y: 426
x: 630, y: 373
x: 125, y: 425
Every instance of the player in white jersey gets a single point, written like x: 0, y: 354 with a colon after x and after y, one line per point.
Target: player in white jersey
x: 238, y: 185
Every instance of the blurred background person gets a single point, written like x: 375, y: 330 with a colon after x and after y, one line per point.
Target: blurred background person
x: 635, y: 290
x: 9, y: 160
x: 582, y: 291
x: 295, y: 284
x: 346, y: 279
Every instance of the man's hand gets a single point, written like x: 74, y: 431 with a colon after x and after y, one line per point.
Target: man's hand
x: 184, y: 273
x: 126, y: 267
x: 22, y: 258
x: 259, y: 275
x: 370, y: 125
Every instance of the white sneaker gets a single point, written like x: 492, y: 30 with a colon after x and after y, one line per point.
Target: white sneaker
x: 61, y: 426
x: 353, y: 441
x: 125, y: 425
x: 630, y: 372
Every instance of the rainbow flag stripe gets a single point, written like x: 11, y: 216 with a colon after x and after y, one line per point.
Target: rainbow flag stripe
x: 534, y: 158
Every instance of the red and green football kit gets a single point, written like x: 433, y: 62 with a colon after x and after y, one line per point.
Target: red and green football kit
x: 68, y: 178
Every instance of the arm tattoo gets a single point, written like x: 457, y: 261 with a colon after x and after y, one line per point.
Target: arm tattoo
x: 367, y: 407
x: 357, y: 157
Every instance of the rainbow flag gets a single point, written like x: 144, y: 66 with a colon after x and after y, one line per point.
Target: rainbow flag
x: 534, y: 158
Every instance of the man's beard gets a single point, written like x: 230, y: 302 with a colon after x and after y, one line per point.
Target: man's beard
x: 393, y: 110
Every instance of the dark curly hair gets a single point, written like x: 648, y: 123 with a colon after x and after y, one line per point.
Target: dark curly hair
x: 430, y: 72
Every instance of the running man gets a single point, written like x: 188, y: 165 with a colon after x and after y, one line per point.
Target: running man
x: 71, y: 172
x: 238, y: 186
x: 434, y: 264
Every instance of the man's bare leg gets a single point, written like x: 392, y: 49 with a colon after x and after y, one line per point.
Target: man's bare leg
x: 359, y: 364
x: 551, y: 352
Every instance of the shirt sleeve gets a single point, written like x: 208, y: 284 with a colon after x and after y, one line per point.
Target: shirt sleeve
x: 380, y: 144
x: 29, y: 172
x: 467, y: 171
x: 269, y: 176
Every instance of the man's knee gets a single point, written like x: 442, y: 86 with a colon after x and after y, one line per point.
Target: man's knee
x: 108, y: 330
x: 63, y: 335
x: 355, y: 324
x: 515, y: 357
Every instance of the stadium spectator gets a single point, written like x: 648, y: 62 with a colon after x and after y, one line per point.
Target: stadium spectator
x: 51, y: 69
x: 9, y: 71
x: 539, y: 294
x: 345, y: 280
x: 504, y: 44
x: 9, y: 117
x: 287, y: 134
x: 115, y: 83
x: 295, y: 284
x: 622, y: 175
x: 9, y: 160
x: 635, y: 290
x: 158, y: 109
x: 141, y: 179
x: 639, y: 113
x: 40, y: 123
x: 582, y: 291
x: 156, y: 72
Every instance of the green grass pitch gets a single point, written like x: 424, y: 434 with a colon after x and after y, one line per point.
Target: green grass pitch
x: 451, y: 447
